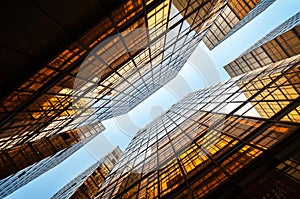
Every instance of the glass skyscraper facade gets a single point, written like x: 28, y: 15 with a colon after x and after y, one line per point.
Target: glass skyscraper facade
x: 235, y: 139
x: 88, y: 183
x: 234, y: 15
x: 16, y: 158
x: 105, y: 71
x: 15, y: 181
x: 166, y: 40
x: 215, y: 144
x: 280, y: 43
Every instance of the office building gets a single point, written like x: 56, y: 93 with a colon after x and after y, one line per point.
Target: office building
x: 65, y: 73
x: 17, y: 158
x: 80, y: 82
x: 214, y: 144
x: 280, y: 43
x: 13, y: 182
x: 234, y: 15
x: 88, y: 183
x: 166, y: 38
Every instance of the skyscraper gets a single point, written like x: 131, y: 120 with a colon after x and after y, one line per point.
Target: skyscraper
x: 224, y: 140
x: 17, y: 158
x: 88, y: 183
x: 231, y: 18
x: 280, y: 43
x: 214, y: 144
x: 101, y: 73
x: 13, y: 182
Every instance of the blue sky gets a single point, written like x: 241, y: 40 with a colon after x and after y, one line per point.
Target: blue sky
x: 204, y: 68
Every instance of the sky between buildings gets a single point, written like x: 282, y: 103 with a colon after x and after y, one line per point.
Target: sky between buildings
x: 202, y: 69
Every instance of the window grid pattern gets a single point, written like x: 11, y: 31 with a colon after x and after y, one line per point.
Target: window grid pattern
x: 280, y: 43
x: 43, y: 104
x: 283, y: 181
x: 234, y: 14
x: 12, y: 183
x: 17, y: 158
x: 205, y: 140
x: 87, y: 183
x: 164, y: 66
x: 259, y: 8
